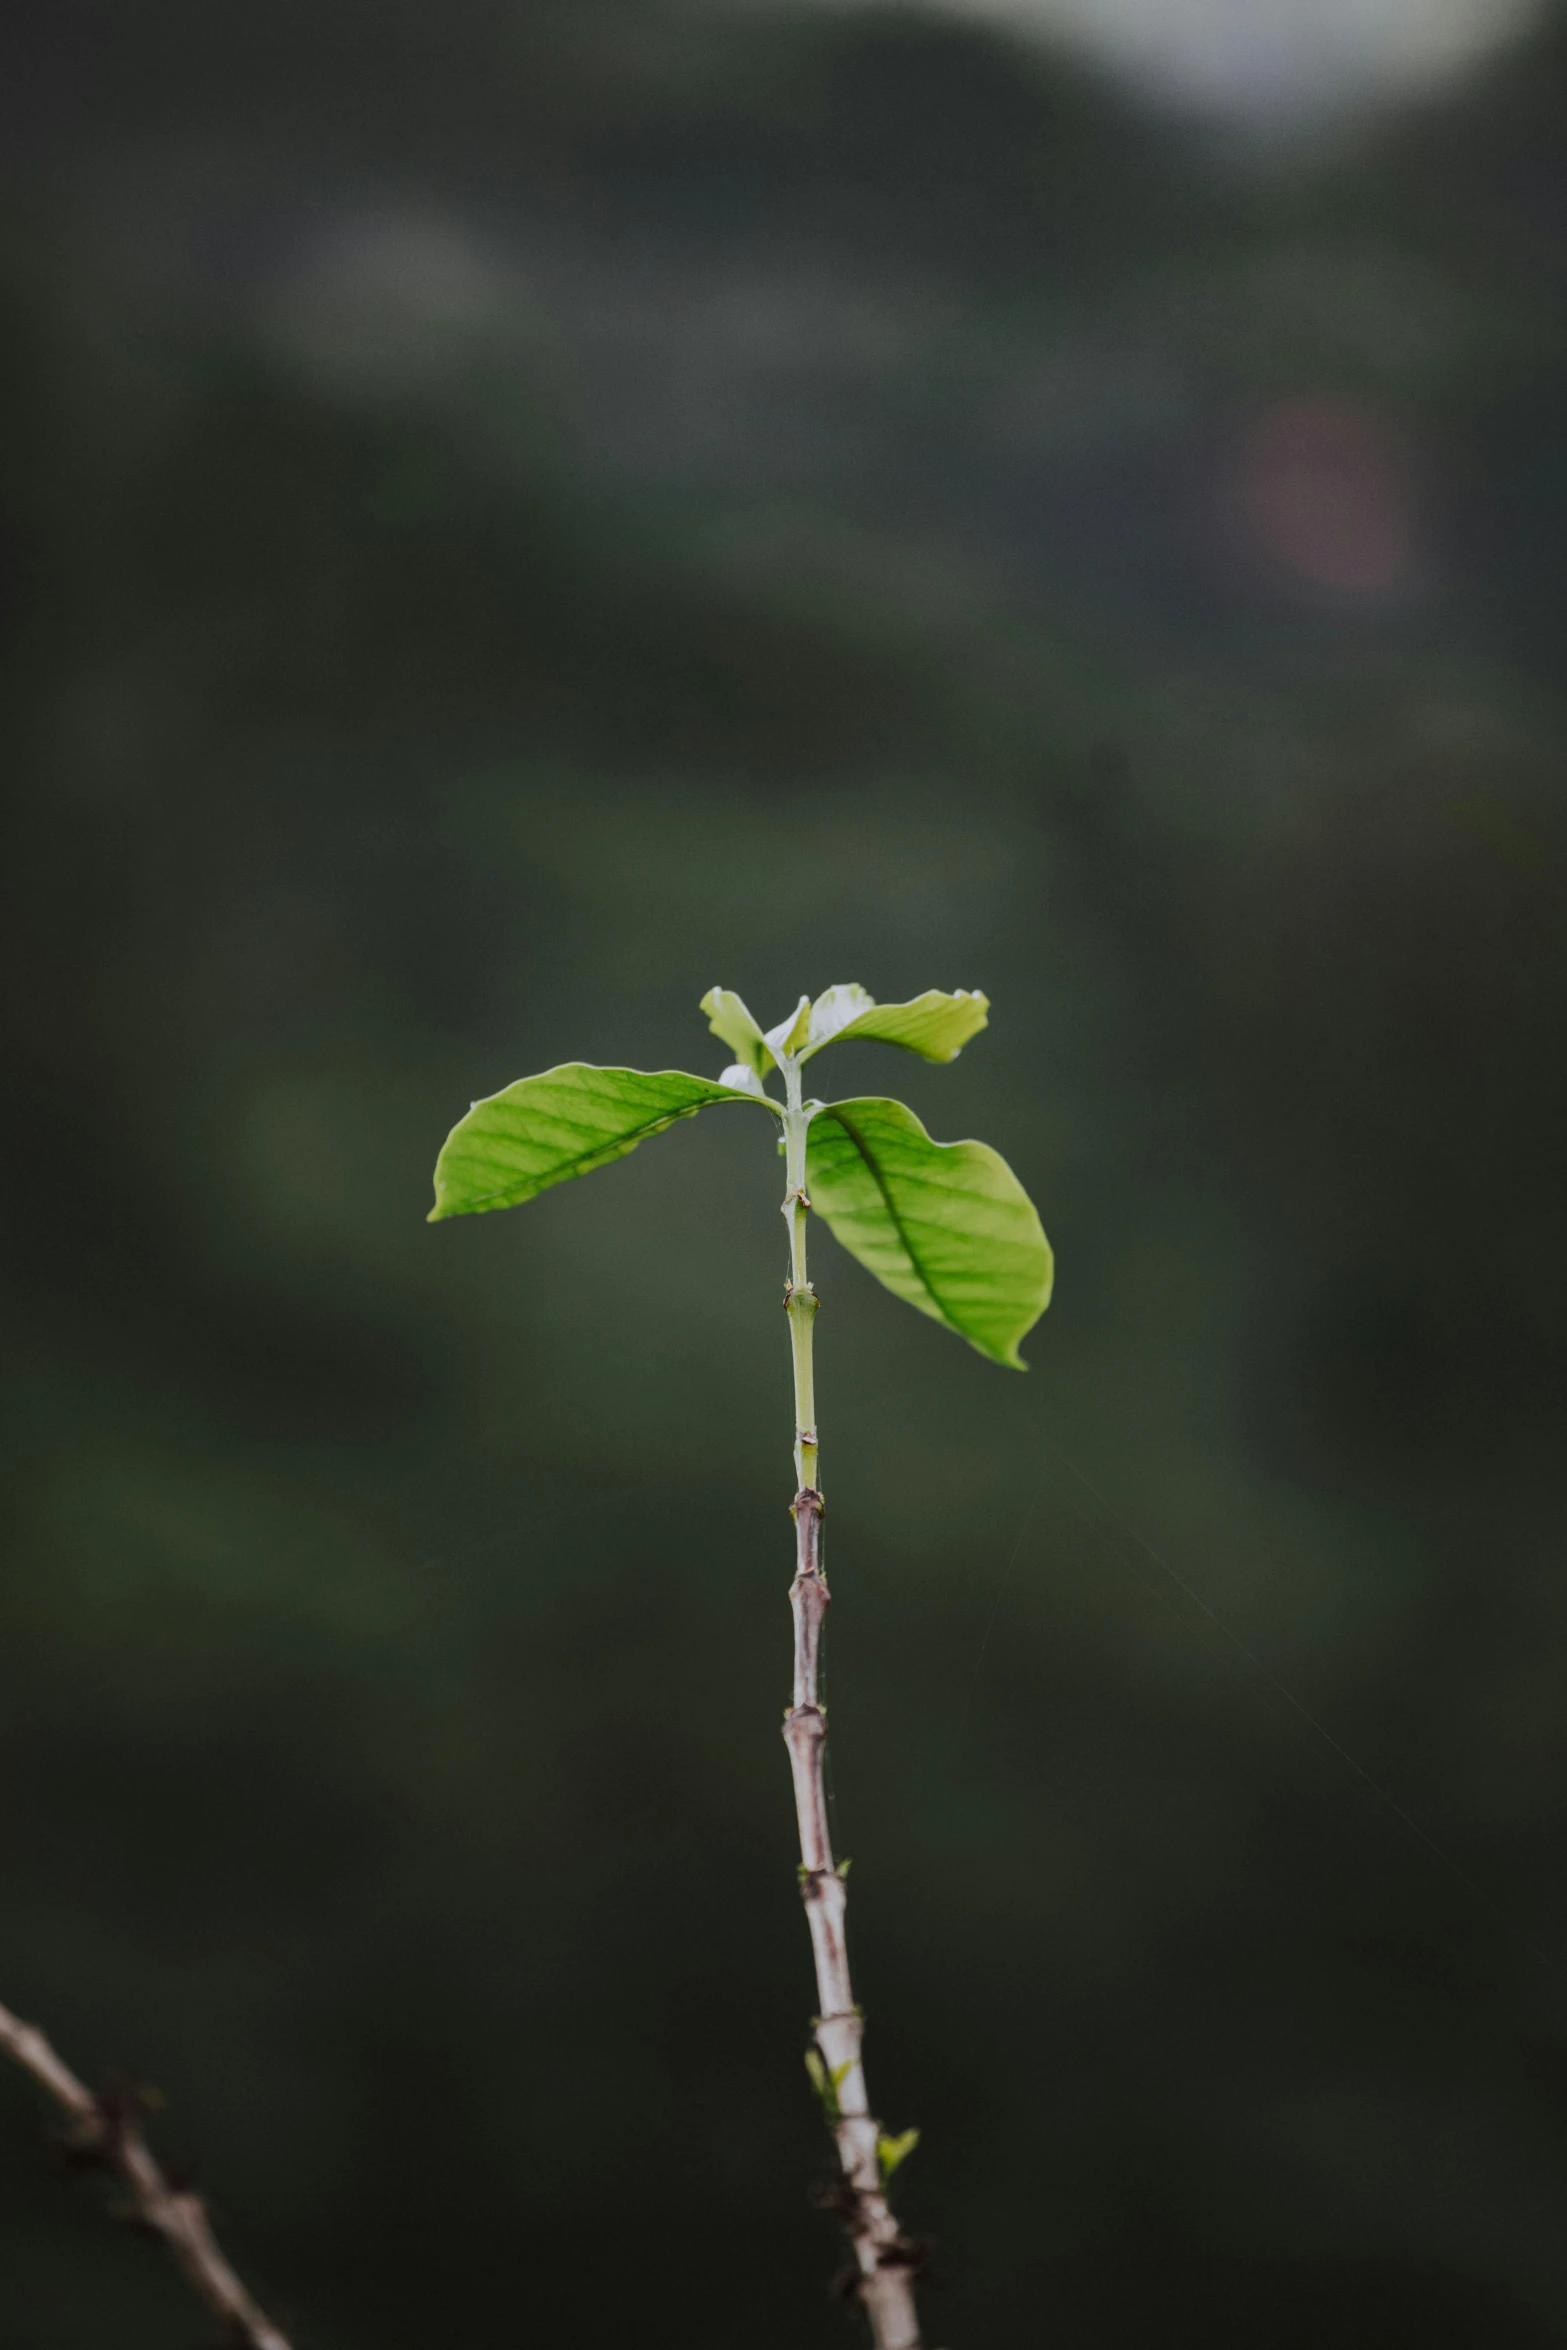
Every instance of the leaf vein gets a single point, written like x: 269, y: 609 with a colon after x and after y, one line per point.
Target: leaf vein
x: 896, y: 1220
x: 630, y: 1137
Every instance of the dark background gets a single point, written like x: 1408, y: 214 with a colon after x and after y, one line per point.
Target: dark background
x: 511, y: 516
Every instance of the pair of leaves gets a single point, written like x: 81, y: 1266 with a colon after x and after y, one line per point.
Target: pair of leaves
x: 935, y: 1026
x: 945, y: 1226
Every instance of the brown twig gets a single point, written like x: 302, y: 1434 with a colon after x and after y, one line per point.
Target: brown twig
x: 104, y: 2130
x: 887, y: 2260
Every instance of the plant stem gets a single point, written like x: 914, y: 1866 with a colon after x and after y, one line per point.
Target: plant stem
x: 105, y: 2131
x: 885, y: 2258
x: 801, y: 1300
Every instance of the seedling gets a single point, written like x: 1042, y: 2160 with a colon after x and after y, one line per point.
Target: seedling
x: 945, y: 1226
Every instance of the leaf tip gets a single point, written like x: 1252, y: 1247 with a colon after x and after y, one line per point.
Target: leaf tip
x: 791, y: 1033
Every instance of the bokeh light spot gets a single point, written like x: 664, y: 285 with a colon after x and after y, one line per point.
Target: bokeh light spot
x: 1326, y: 493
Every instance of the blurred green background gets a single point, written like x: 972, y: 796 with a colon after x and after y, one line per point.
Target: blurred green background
x: 513, y: 515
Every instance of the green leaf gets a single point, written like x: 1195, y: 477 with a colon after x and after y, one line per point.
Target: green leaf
x: 935, y: 1026
x: 733, y: 1025
x: 892, y: 2151
x: 945, y: 1225
x: 832, y: 1012
x: 545, y: 1129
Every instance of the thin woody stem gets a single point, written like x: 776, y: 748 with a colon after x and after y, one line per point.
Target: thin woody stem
x: 104, y: 2131
x: 885, y: 2258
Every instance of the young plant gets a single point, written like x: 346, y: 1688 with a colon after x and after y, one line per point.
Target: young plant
x: 947, y: 1227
